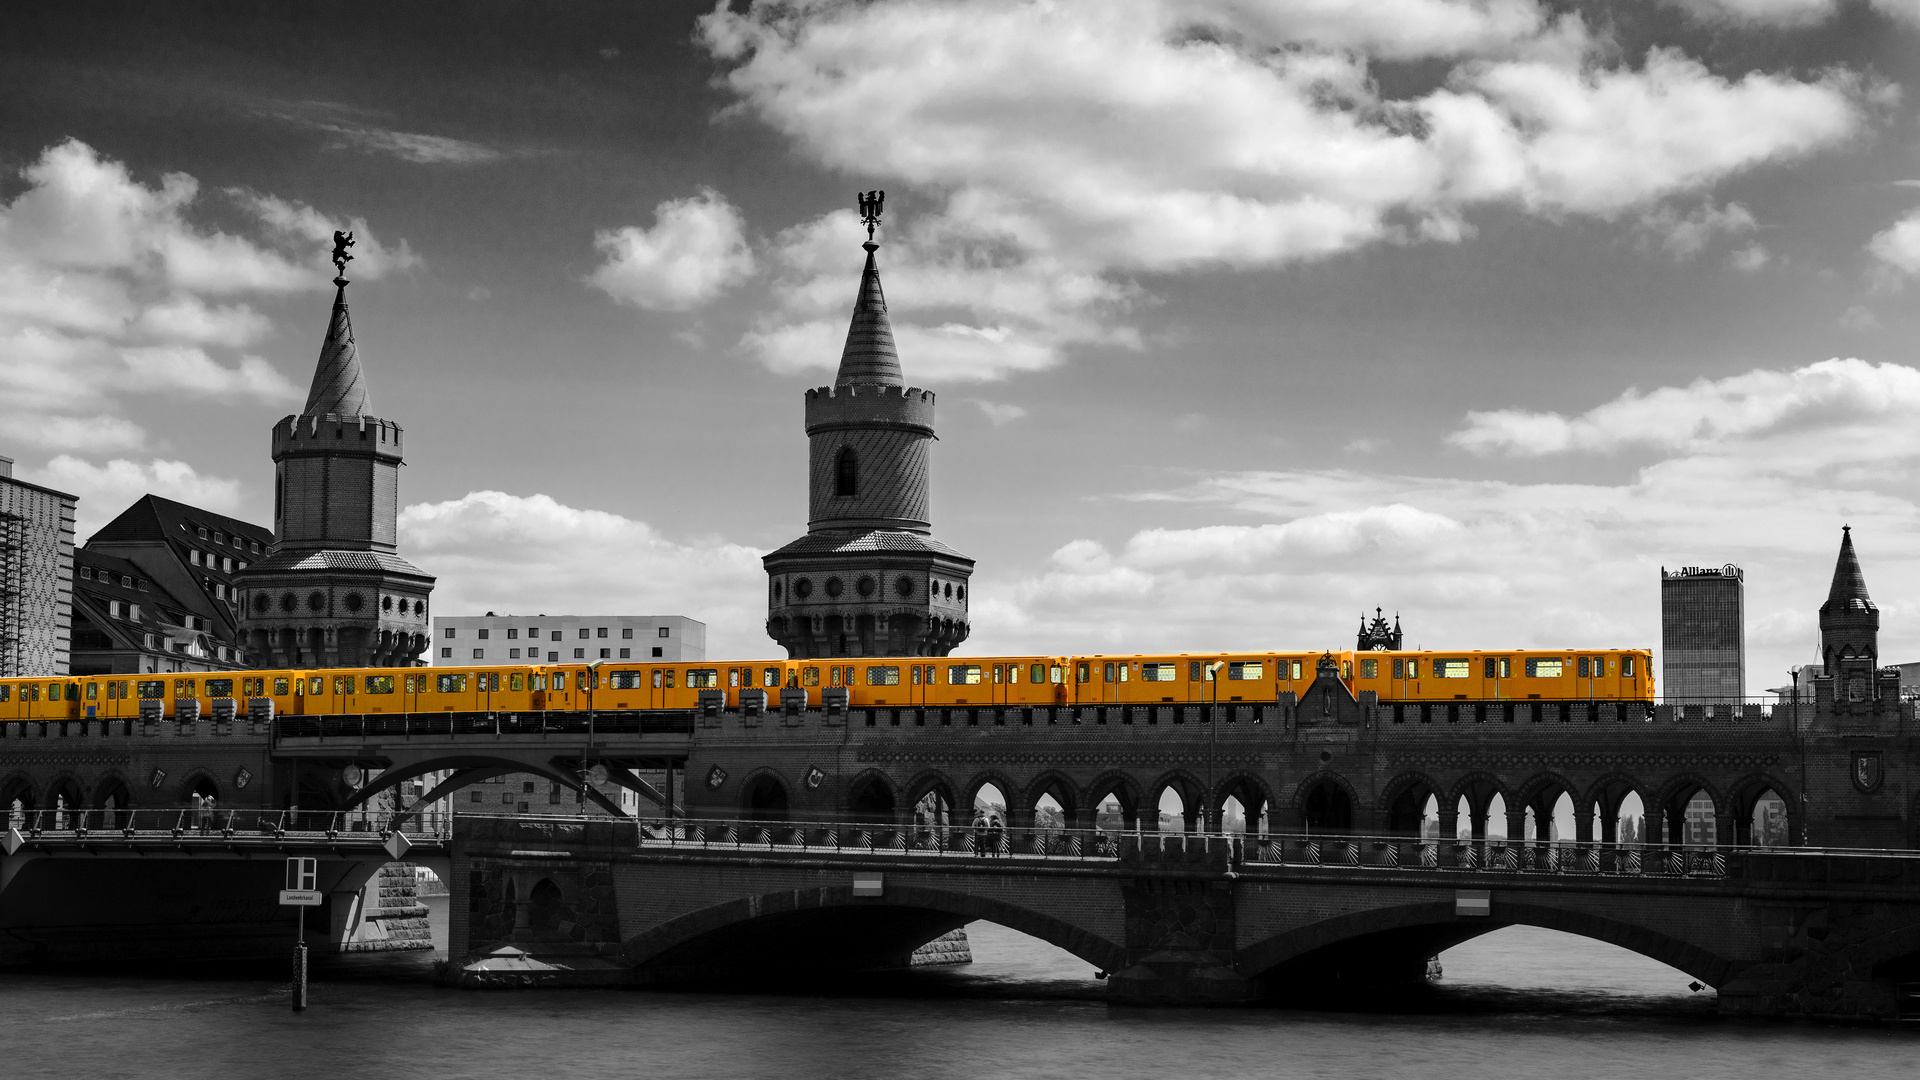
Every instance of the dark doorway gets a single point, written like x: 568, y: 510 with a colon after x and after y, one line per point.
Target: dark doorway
x: 871, y: 802
x: 1329, y: 809
x: 766, y: 800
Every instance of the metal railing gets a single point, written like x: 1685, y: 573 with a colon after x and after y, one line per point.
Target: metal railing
x: 222, y: 824
x: 1360, y: 853
x: 405, y: 725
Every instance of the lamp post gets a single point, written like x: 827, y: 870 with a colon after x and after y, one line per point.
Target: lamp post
x: 1213, y: 739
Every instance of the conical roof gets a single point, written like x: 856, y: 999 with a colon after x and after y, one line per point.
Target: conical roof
x: 339, y: 386
x: 1848, y: 582
x: 869, y: 356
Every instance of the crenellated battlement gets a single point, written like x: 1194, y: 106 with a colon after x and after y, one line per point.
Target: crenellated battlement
x: 869, y: 405
x: 333, y: 433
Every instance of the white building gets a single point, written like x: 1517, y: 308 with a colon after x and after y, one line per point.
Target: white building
x: 465, y: 640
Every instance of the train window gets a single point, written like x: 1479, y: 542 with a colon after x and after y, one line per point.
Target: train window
x: 93, y: 691
x: 1544, y: 667
x: 412, y: 684
x: 1296, y: 669
x: 1158, y: 672
x: 1583, y: 668
x: 151, y: 689
x: 1037, y: 674
x: 560, y: 680
x: 916, y: 674
x: 770, y: 676
x: 6, y: 693
x: 280, y: 686
x: 450, y: 684
x: 809, y: 676
x: 379, y: 684
x: 963, y: 674
x: 1085, y: 672
x: 1059, y: 674
x: 702, y: 678
x: 833, y: 676
x: 343, y: 684
x: 1626, y: 665
x: 733, y: 677
x: 1369, y: 669
x: 1106, y: 673
x: 1123, y: 672
x: 623, y: 680
x: 1451, y: 669
x: 999, y: 670
x: 1506, y: 667
x: 1488, y: 667
x: 1193, y: 671
x: 493, y: 684
x: 883, y: 676
x: 1254, y: 670
x: 656, y: 680
x: 1399, y: 669
x: 518, y: 681
x: 31, y: 692
x: 1346, y: 669
x: 316, y: 685
x: 217, y: 688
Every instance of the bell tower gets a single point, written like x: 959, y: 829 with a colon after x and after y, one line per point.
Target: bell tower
x: 868, y: 579
x: 332, y: 590
x: 1850, y: 632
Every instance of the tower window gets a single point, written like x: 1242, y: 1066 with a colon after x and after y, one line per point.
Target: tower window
x: 846, y: 474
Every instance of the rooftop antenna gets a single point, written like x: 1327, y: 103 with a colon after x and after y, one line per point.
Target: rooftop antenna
x: 870, y: 203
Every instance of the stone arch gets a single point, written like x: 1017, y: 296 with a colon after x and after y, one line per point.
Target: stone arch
x: 1478, y: 788
x: 1402, y: 803
x: 674, y: 945
x: 1541, y: 793
x: 201, y: 782
x: 1194, y: 797
x: 1742, y: 797
x: 112, y: 800
x: 980, y: 780
x: 1605, y: 796
x: 465, y: 771
x: 1417, y: 931
x: 1124, y: 790
x: 63, y: 799
x: 765, y: 796
x: 1253, y: 794
x: 1318, y: 797
x: 871, y: 798
x: 931, y: 782
x: 1059, y: 785
x: 1670, y: 803
x: 544, y: 903
x: 17, y: 788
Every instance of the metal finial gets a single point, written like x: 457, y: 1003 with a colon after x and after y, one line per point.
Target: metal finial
x: 341, y: 256
x: 870, y: 203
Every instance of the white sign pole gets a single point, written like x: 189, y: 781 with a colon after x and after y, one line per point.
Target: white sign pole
x: 303, y: 892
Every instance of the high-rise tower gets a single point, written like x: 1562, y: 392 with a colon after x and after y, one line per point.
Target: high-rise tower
x: 1703, y: 634
x: 332, y: 591
x: 868, y: 579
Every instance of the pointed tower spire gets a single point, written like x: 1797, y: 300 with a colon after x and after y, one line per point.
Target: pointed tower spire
x: 1849, y: 583
x: 869, y: 356
x: 339, y: 386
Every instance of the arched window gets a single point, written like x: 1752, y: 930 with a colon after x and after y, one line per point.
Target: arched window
x: 846, y: 474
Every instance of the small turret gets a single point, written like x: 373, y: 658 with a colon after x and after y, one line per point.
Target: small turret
x: 1849, y: 621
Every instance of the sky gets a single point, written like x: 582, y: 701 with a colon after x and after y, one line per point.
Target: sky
x: 1245, y: 318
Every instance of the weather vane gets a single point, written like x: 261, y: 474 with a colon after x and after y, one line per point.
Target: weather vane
x: 870, y: 202
x: 341, y: 256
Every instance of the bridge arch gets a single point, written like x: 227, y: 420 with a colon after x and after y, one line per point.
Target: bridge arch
x: 16, y: 797
x: 112, y: 797
x: 1325, y: 801
x: 1478, y: 789
x: 1123, y: 789
x: 1744, y: 796
x: 1400, y: 938
x: 1252, y: 793
x: 64, y: 797
x: 1194, y: 796
x: 695, y: 940
x: 871, y: 798
x: 765, y: 795
x: 464, y: 771
x: 1670, y: 802
x: 1402, y: 804
x: 978, y: 782
x: 1061, y: 788
x: 1606, y: 795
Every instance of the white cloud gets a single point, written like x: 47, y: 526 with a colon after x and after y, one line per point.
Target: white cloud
x: 109, y: 488
x: 1764, y: 12
x: 511, y: 553
x: 1750, y: 259
x: 696, y: 250
x: 304, y: 227
x: 1685, y: 236
x: 110, y: 289
x: 1059, y: 149
x: 1896, y: 250
x: 1847, y: 401
x: 412, y: 146
x: 999, y: 413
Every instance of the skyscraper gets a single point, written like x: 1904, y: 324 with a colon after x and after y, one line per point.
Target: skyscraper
x: 36, y: 577
x: 1703, y: 634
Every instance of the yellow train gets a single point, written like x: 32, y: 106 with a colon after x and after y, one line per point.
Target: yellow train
x: 1013, y: 681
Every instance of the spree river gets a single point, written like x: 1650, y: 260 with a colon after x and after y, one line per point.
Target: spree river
x: 1516, y: 1003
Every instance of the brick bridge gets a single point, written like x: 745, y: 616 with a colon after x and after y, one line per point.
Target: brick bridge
x: 1165, y: 918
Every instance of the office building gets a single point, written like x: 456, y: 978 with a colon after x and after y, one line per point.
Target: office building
x: 465, y: 640
x: 36, y: 577
x: 1703, y: 636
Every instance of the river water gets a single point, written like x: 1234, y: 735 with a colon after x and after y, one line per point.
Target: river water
x: 1516, y: 1003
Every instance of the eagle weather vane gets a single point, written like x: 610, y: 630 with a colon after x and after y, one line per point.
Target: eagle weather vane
x: 870, y: 202
x: 341, y: 256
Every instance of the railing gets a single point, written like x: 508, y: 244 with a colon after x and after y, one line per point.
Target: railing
x: 1361, y: 853
x: 182, y: 823
x: 447, y: 725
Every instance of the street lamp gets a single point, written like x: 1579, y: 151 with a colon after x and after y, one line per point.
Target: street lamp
x: 1213, y: 739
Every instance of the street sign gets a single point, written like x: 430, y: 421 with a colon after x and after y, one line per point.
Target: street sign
x: 303, y: 874
x: 398, y: 845
x: 300, y: 897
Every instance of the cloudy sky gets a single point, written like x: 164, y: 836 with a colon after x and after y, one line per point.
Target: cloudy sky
x: 1244, y: 316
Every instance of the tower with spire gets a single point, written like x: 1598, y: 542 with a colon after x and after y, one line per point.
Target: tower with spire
x: 332, y: 590
x: 868, y: 578
x: 1850, y: 638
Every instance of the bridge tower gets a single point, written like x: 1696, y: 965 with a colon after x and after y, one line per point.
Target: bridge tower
x: 1850, y: 641
x: 332, y: 590
x: 868, y: 578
